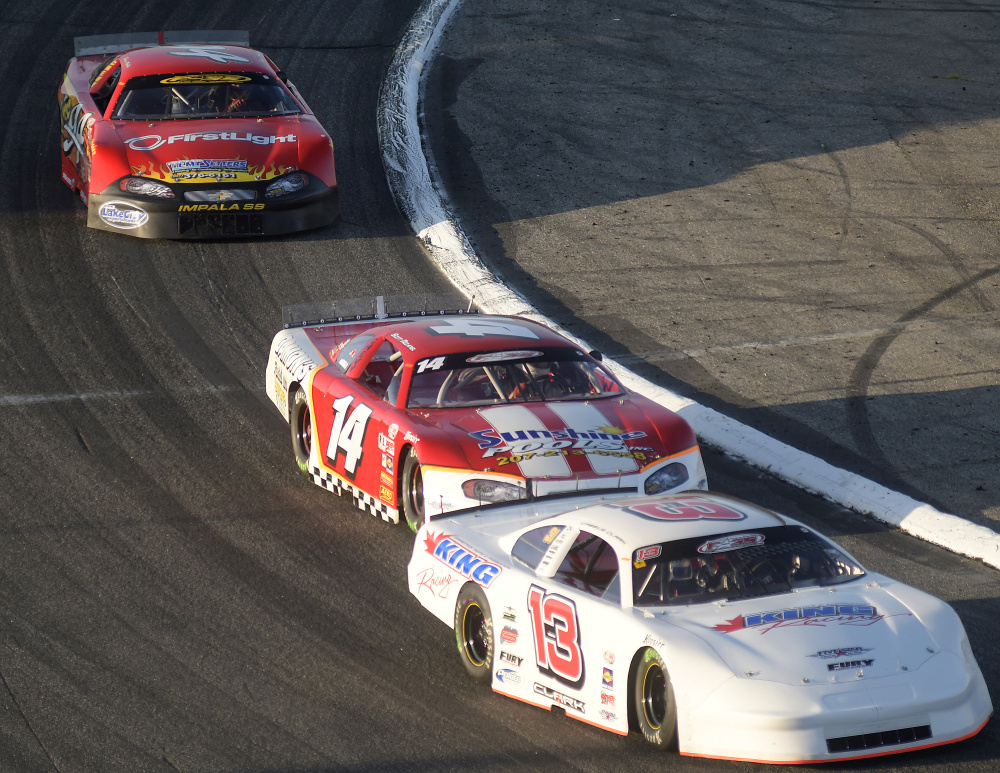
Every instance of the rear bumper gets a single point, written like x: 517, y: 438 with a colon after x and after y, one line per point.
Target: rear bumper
x: 146, y: 218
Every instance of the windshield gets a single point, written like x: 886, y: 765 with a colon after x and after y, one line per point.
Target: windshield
x: 737, y: 565
x: 488, y: 378
x: 203, y: 95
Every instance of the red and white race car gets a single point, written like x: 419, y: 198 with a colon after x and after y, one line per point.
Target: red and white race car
x: 430, y: 413
x: 185, y: 135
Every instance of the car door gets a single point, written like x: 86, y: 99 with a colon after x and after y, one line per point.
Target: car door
x: 360, y: 446
x: 569, y: 603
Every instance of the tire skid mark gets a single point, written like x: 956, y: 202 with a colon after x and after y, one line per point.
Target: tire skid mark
x: 859, y: 420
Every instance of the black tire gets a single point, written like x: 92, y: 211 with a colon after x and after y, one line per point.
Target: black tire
x: 474, y: 632
x: 412, y: 492
x: 653, y: 701
x: 300, y: 421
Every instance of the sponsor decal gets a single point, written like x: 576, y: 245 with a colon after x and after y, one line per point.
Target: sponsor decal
x: 76, y: 123
x: 551, y: 535
x: 207, y: 77
x: 403, y: 341
x: 121, y: 214
x: 67, y: 179
x: 687, y: 509
x: 509, y: 614
x: 154, y: 141
x: 439, y: 585
x: 385, y: 477
x: 848, y: 665
x: 217, y: 54
x: 393, y: 431
x: 409, y: 437
x: 517, y: 354
x: 493, y: 442
x: 220, y: 207
x: 206, y: 165
x: 508, y: 676
x: 842, y: 652
x: 508, y: 657
x: 387, y: 463
x: 528, y: 455
x: 647, y: 554
x: 509, y: 635
x: 608, y: 679
x: 824, y: 615
x: 609, y: 657
x: 732, y: 542
x: 608, y: 716
x: 295, y: 361
x: 567, y: 701
x: 607, y: 699
x: 453, y: 554
x: 385, y: 445
x: 654, y: 642
x: 386, y: 495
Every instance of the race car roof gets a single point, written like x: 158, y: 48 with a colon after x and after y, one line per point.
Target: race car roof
x: 430, y: 336
x: 194, y: 59
x: 639, y: 521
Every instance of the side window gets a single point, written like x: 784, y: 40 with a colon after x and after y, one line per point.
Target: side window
x: 382, y: 368
x: 591, y: 565
x: 103, y: 95
x: 352, y: 350
x: 532, y: 546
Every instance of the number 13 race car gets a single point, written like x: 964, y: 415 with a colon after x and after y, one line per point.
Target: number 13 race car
x: 701, y: 621
x: 182, y: 135
x: 433, y: 413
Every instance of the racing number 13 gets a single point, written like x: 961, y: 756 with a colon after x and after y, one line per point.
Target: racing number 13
x: 348, y: 432
x: 557, y: 636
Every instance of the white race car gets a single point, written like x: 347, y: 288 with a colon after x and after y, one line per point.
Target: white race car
x: 704, y: 622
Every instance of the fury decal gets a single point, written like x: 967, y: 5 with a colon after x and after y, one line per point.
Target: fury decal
x: 556, y: 634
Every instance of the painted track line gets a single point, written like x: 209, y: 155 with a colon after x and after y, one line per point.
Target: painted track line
x: 426, y: 207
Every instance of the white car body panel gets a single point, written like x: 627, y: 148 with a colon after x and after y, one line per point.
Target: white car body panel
x: 769, y: 678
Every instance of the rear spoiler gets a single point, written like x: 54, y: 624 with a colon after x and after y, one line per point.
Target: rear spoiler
x: 89, y: 45
x: 395, y: 306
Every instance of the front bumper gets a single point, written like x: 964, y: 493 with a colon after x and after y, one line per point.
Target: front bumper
x: 149, y: 218
x: 942, y: 702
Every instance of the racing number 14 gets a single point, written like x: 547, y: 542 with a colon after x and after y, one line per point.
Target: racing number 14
x: 557, y: 636
x: 348, y: 432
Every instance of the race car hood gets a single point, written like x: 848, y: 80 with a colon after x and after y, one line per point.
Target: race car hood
x: 562, y: 439
x: 230, y: 150
x: 813, y: 636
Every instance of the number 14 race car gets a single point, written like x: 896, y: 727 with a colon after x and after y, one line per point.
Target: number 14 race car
x: 428, y: 413
x: 186, y: 135
x: 703, y: 622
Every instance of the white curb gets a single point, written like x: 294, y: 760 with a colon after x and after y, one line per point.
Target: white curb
x: 426, y: 209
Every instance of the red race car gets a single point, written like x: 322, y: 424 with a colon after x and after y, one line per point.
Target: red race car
x: 186, y: 135
x: 427, y: 412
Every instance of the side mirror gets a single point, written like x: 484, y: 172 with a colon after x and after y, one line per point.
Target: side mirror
x: 596, y: 355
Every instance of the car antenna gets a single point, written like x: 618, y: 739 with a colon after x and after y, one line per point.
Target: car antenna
x: 470, y: 304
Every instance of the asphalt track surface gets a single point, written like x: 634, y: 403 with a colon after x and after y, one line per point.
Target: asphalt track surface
x: 173, y: 595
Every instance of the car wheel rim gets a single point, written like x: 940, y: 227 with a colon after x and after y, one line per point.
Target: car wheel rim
x: 654, y: 696
x: 474, y: 635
